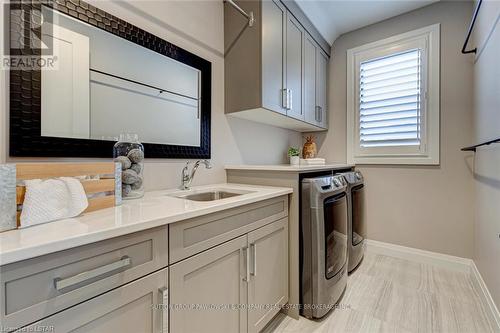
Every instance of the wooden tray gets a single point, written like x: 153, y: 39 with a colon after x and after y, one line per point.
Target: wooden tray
x: 101, y: 182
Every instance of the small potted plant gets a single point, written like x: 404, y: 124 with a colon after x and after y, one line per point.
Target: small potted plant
x: 294, y: 154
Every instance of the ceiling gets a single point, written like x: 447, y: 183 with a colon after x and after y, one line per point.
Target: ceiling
x: 335, y: 17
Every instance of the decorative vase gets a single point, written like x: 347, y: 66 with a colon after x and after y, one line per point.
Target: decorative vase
x: 130, y: 153
x: 309, y: 150
x: 294, y: 160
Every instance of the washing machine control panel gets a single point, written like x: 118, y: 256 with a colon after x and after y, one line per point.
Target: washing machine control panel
x: 353, y: 177
x: 337, y: 182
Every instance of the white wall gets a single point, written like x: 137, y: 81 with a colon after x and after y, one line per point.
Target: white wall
x: 198, y: 27
x: 426, y: 207
x: 487, y: 159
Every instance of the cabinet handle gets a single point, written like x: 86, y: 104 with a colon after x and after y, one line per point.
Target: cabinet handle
x: 254, y: 259
x: 284, y: 98
x: 85, y: 277
x: 290, y: 99
x: 318, y: 113
x: 245, y: 255
x: 248, y: 265
x: 164, y: 309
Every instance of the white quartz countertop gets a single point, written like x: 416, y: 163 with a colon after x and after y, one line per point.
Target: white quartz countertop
x: 289, y: 168
x: 154, y: 209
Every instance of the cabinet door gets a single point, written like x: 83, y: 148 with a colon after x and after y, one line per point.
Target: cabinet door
x: 201, y: 288
x: 268, y: 286
x: 310, y: 107
x: 293, y: 73
x: 135, y: 307
x: 273, y: 51
x: 321, y: 87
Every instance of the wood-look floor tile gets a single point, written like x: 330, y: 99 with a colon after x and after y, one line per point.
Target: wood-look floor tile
x: 388, y: 294
x: 421, y: 277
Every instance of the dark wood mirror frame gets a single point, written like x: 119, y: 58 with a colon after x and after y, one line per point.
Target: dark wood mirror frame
x: 25, y: 93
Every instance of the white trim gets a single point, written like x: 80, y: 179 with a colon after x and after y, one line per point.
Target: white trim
x: 420, y: 256
x: 430, y: 153
x: 443, y: 260
x: 485, y: 295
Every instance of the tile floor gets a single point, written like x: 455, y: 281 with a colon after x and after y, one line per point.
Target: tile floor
x: 387, y: 294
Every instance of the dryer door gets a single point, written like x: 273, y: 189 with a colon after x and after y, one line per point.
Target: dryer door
x: 358, y: 214
x: 335, y: 219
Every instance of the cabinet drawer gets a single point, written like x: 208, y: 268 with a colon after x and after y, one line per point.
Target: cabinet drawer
x: 196, y: 235
x: 36, y: 288
x: 136, y: 307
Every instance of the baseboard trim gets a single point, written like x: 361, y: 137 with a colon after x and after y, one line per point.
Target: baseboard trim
x: 417, y: 255
x: 443, y: 260
x: 485, y: 295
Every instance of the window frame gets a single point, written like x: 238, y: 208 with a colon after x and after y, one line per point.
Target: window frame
x: 427, y: 153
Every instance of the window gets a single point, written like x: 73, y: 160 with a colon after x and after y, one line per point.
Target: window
x: 393, y: 100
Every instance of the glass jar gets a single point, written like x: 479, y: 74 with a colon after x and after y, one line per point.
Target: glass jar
x: 130, y: 153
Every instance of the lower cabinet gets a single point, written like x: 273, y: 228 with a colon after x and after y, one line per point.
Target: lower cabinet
x: 132, y: 308
x: 268, y: 285
x: 203, y: 285
x: 234, y: 287
x: 237, y: 280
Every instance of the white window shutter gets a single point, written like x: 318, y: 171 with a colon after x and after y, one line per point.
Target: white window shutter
x: 390, y: 98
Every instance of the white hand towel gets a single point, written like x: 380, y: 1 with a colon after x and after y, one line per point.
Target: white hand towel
x: 52, y: 199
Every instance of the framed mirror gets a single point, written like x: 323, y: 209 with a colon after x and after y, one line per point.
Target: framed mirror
x: 98, y: 77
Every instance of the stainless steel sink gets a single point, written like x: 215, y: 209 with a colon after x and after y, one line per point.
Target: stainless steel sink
x: 209, y: 195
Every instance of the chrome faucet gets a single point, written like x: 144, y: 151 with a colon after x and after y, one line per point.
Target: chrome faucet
x: 187, y: 177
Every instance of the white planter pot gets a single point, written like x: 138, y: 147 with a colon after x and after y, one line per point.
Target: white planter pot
x: 294, y: 160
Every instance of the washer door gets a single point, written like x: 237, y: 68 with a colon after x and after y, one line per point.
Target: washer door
x: 335, y: 219
x: 358, y: 214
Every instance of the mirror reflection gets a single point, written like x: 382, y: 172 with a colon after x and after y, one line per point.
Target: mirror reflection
x: 103, y: 85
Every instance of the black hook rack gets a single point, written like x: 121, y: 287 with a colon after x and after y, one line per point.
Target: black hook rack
x: 473, y: 148
x: 471, y: 26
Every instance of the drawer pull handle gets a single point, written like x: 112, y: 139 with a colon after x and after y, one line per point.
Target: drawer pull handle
x: 62, y: 284
x: 164, y: 311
